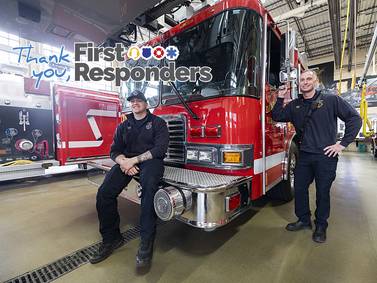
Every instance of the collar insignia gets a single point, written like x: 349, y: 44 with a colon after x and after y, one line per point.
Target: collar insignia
x: 148, y: 126
x: 320, y: 104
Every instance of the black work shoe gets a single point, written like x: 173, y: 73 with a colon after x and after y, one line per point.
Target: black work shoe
x: 319, y: 235
x: 298, y: 225
x: 105, y: 250
x: 145, y: 253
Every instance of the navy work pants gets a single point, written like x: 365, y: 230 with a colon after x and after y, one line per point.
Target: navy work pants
x: 151, y: 172
x: 322, y: 169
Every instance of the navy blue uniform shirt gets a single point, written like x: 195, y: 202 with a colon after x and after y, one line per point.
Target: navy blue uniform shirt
x: 321, y: 129
x: 134, y: 137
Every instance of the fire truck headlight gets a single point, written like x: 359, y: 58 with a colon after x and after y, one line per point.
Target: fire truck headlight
x: 192, y: 154
x: 206, y: 156
x: 220, y: 156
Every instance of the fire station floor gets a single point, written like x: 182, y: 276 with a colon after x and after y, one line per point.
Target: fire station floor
x: 45, y: 219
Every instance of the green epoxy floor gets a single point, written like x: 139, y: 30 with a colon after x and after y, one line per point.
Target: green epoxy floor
x: 41, y: 221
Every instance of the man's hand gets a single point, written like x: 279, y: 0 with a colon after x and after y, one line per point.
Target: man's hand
x: 333, y: 150
x: 133, y: 171
x: 127, y: 163
x: 283, y: 90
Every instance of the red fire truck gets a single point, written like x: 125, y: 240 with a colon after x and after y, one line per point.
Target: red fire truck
x: 225, y: 151
x: 52, y: 125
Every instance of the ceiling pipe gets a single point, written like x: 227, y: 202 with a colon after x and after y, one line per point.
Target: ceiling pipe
x: 300, y: 29
x: 370, y: 54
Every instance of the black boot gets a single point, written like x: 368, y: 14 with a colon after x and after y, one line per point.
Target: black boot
x: 145, y: 253
x: 319, y: 235
x: 298, y: 225
x: 105, y: 250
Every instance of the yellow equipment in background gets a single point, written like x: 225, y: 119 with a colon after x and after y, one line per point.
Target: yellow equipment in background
x: 364, y: 114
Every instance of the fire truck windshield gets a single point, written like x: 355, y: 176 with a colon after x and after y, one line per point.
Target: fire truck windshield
x: 230, y: 44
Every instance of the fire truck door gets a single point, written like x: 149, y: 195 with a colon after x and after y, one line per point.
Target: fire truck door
x: 275, y: 134
x: 274, y: 131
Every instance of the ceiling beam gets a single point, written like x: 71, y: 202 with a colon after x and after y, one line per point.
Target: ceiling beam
x: 360, y: 39
x: 372, y: 14
x: 268, y: 7
x: 351, y: 32
x: 309, y: 14
x: 325, y: 24
x: 325, y: 37
x: 329, y: 52
x: 300, y: 11
x: 334, y: 14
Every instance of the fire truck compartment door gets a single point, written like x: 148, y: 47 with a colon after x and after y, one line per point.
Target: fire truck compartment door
x: 85, y: 123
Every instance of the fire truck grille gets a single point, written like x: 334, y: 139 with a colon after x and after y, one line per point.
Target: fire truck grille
x: 177, y: 137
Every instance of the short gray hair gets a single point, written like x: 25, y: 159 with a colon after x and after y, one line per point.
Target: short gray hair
x: 310, y: 71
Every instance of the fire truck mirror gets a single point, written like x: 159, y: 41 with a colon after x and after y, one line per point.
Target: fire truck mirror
x: 288, y: 77
x: 283, y: 77
x: 293, y: 75
x: 287, y: 49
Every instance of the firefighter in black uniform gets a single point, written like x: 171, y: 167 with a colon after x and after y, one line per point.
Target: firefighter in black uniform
x: 139, y: 147
x: 314, y: 115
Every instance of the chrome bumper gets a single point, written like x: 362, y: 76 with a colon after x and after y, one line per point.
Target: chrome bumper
x: 208, y: 194
x: 197, y: 181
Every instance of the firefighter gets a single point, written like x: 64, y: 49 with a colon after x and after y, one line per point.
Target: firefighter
x: 314, y: 115
x: 139, y: 147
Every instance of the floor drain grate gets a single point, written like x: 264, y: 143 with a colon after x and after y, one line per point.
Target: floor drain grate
x: 58, y: 268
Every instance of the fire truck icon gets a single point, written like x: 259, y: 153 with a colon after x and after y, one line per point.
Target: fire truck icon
x: 94, y: 127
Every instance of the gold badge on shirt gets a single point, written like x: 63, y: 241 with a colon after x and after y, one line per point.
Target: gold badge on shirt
x: 319, y: 104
